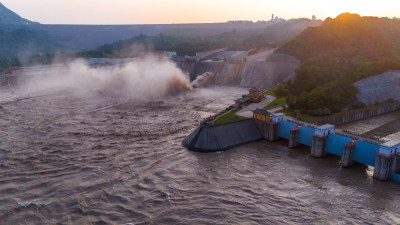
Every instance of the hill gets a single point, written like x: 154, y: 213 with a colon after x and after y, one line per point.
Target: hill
x: 335, y: 55
x: 18, y: 40
x: 23, y: 43
x: 250, y: 35
x: 11, y: 18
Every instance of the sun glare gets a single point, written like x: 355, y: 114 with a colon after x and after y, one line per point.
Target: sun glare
x: 179, y: 11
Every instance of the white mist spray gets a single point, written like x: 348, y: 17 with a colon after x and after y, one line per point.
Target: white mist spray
x: 148, y: 77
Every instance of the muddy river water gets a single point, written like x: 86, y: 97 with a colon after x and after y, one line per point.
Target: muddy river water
x: 69, y: 159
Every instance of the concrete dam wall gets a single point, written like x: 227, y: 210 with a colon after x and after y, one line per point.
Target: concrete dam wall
x: 264, y: 74
x: 196, y: 69
x: 267, y: 74
x: 385, y: 157
x: 226, y: 136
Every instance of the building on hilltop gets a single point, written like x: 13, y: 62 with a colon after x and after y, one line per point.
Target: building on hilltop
x: 275, y: 19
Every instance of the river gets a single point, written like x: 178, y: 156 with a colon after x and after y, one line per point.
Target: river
x: 69, y: 159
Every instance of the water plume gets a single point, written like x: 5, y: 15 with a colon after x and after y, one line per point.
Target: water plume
x: 203, y: 80
x: 148, y: 77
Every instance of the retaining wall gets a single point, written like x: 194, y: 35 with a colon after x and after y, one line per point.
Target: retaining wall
x: 379, y: 88
x: 360, y: 114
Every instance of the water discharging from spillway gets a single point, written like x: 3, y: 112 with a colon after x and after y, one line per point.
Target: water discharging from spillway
x: 65, y: 159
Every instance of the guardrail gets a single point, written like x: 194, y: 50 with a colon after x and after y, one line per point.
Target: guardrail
x: 361, y: 137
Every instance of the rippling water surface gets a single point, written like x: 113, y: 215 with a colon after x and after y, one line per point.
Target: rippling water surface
x: 70, y: 159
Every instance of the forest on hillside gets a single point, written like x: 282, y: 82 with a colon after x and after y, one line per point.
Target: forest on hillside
x: 337, y: 54
x: 23, y: 43
x: 24, y: 46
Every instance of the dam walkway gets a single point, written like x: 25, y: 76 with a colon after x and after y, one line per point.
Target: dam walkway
x: 248, y: 110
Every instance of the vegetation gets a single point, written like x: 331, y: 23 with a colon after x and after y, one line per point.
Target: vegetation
x: 182, y: 45
x: 337, y: 54
x: 45, y: 58
x: 281, y: 95
x: 10, y: 62
x: 24, y: 43
x: 229, y: 117
x: 143, y: 43
x: 20, y: 45
x: 42, y: 59
x: 301, y: 116
x: 271, y: 91
x: 276, y: 102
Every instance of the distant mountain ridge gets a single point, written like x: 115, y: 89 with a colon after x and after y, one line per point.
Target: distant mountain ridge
x: 86, y: 37
x: 190, y: 40
x: 18, y: 39
x: 11, y: 18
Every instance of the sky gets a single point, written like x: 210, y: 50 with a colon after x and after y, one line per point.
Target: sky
x: 190, y: 11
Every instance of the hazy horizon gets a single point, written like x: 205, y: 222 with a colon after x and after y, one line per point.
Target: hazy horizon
x: 103, y: 12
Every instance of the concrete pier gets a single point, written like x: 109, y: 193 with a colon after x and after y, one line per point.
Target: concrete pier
x: 293, y: 137
x: 395, y: 164
x: 382, y: 167
x: 348, y: 154
x: 320, y: 135
x: 268, y: 130
x: 387, y: 160
x: 385, y: 165
x: 318, y: 146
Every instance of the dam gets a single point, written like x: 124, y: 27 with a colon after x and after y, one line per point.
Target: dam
x: 263, y: 70
x: 323, y: 140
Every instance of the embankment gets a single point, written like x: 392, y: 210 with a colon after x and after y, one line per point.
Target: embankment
x: 379, y: 88
x: 209, y: 138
